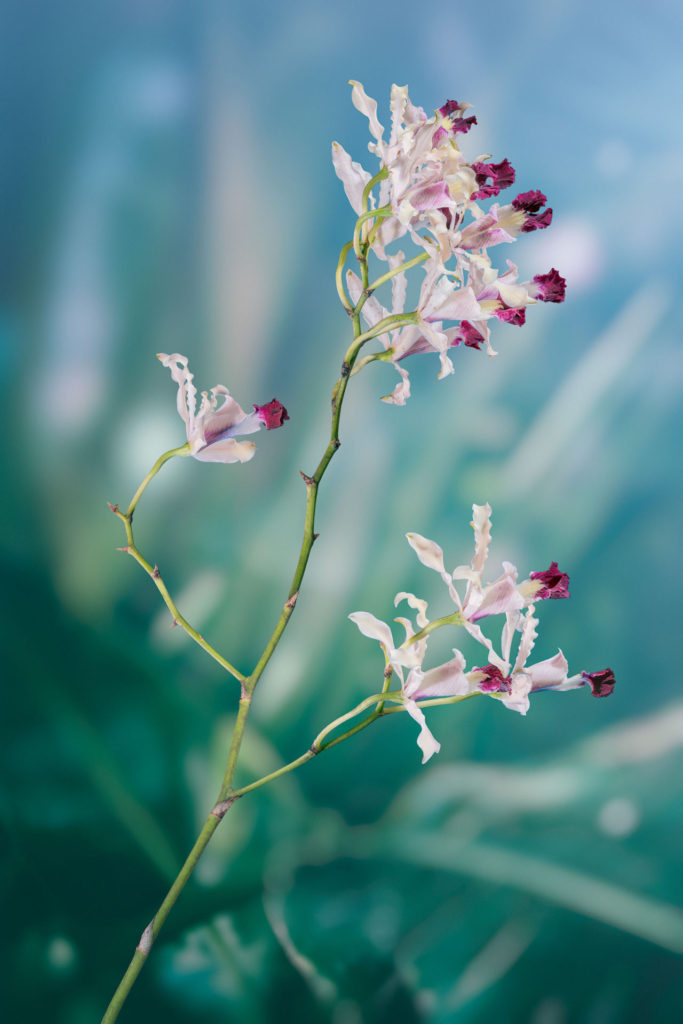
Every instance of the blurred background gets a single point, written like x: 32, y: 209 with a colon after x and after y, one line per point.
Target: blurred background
x: 167, y: 186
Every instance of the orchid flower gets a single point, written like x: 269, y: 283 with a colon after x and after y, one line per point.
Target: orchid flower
x: 211, y: 430
x: 408, y: 656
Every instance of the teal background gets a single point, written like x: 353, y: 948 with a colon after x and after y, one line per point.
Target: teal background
x: 167, y: 185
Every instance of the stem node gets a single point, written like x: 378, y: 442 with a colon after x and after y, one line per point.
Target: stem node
x: 222, y: 807
x: 308, y: 480
x: 147, y: 938
x: 291, y: 601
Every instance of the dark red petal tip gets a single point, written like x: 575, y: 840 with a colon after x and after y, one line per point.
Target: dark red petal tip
x: 273, y: 414
x: 555, y: 583
x: 601, y: 683
x: 551, y: 287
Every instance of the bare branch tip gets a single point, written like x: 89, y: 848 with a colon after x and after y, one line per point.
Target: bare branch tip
x: 114, y: 508
x: 155, y: 572
x: 125, y: 550
x: 308, y: 480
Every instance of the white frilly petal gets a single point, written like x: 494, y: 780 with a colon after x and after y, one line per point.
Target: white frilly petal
x: 367, y: 106
x: 527, y: 639
x: 417, y: 604
x: 352, y: 175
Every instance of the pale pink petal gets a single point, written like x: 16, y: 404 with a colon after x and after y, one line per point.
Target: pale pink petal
x: 373, y: 628
x: 429, y: 553
x: 551, y: 673
x: 401, y: 392
x: 367, y: 106
x: 227, y: 450
x: 448, y: 680
x: 518, y: 697
x: 481, y: 523
x: 417, y: 604
x: 425, y: 741
x: 187, y: 393
x: 527, y: 638
x: 352, y: 175
x: 215, y: 421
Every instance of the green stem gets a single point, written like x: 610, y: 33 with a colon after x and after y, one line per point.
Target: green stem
x: 183, y: 450
x: 379, y: 214
x: 380, y: 176
x: 415, y: 262
x: 339, y: 278
x: 455, y: 619
x: 227, y: 795
x: 155, y: 576
x: 154, y: 927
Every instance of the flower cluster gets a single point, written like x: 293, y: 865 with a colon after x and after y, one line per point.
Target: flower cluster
x: 211, y: 430
x: 432, y: 193
x: 510, y: 680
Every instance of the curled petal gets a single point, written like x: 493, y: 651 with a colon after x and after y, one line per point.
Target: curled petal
x: 425, y: 741
x: 353, y: 177
x: 367, y: 106
x: 417, y: 604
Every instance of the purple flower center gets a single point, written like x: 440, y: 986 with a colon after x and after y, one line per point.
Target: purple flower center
x: 601, y: 683
x: 555, y: 583
x: 494, y: 681
x: 273, y: 414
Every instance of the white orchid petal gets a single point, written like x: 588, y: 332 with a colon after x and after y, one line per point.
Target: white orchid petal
x: 518, y: 697
x: 527, y: 638
x: 481, y: 523
x: 447, y: 680
x: 429, y: 553
x: 228, y: 450
x: 425, y: 741
x: 367, y: 106
x: 352, y: 175
x: 373, y: 628
x: 551, y: 674
x: 417, y: 604
x: 401, y: 393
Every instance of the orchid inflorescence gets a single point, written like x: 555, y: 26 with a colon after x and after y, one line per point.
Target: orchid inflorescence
x: 432, y: 193
x: 506, y: 680
x: 428, y: 193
